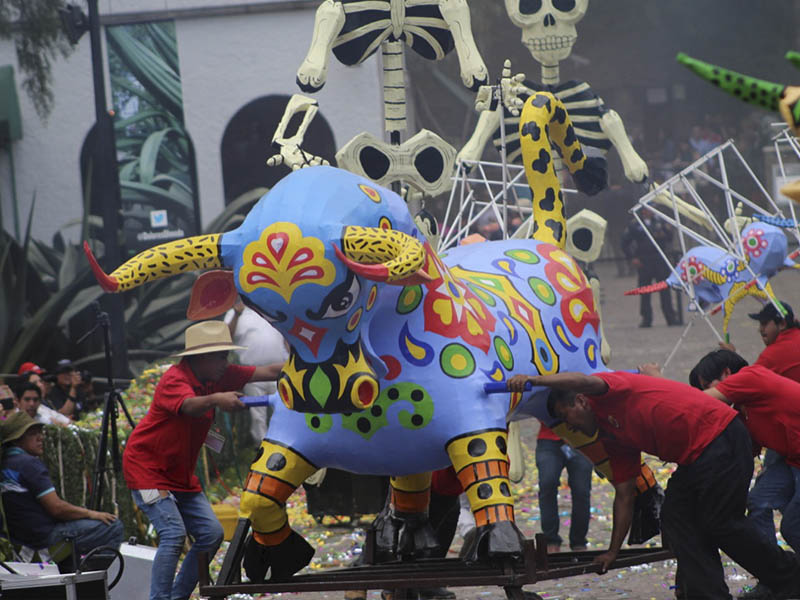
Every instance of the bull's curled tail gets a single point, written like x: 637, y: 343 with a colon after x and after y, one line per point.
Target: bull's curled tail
x: 545, y: 121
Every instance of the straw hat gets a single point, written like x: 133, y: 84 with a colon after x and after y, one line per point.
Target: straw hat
x: 208, y: 336
x: 16, y: 425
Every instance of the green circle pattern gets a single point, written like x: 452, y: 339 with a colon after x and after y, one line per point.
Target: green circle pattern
x: 504, y: 354
x: 319, y: 423
x: 456, y: 361
x: 525, y: 256
x: 542, y: 290
x: 409, y: 299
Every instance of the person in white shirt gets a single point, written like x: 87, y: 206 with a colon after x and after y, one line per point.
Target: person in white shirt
x: 263, y: 345
x: 29, y: 399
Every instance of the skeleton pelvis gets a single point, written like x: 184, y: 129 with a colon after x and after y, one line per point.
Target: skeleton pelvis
x: 425, y: 161
x: 344, y: 383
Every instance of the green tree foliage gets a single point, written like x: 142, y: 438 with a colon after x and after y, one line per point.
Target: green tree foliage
x: 35, y: 28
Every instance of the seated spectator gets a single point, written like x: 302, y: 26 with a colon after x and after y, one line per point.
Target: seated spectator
x: 40, y: 382
x: 36, y: 516
x: 67, y: 396
x: 29, y: 399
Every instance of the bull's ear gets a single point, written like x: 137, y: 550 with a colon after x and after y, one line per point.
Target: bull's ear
x: 212, y: 295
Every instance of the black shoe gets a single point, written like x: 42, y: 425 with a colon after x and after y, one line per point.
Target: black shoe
x: 760, y: 592
x: 644, y: 324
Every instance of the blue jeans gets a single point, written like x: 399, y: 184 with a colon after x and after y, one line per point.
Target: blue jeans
x: 87, y: 534
x: 173, y: 517
x: 776, y: 488
x: 551, y: 459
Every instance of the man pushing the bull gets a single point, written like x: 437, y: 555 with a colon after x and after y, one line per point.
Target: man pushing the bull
x: 704, y: 509
x: 161, y: 454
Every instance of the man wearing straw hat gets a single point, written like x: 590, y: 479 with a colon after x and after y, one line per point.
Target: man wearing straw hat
x: 161, y: 454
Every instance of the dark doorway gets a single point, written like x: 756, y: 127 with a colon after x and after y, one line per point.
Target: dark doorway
x: 246, y: 145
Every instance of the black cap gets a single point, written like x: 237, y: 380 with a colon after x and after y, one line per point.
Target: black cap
x: 770, y: 313
x: 64, y: 366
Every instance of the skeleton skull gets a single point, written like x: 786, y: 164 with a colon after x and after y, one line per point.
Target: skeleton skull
x: 548, y: 26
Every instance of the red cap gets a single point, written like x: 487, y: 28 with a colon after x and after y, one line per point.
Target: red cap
x: 29, y: 366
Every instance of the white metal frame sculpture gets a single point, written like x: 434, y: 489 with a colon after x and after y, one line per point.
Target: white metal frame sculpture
x: 726, y: 236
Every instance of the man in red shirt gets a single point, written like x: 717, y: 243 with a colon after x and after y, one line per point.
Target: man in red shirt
x: 704, y: 508
x: 770, y: 406
x: 161, y: 453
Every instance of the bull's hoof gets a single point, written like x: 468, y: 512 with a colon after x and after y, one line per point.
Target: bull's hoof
x: 284, y: 560
x: 495, y: 540
x: 404, y: 535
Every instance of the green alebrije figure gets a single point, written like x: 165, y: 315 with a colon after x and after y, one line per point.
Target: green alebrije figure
x: 367, y: 422
x: 794, y: 58
x: 754, y: 91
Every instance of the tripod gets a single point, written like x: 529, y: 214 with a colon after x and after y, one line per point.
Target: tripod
x: 111, y: 401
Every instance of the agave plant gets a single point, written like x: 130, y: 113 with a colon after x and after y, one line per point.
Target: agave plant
x: 155, y: 153
x: 44, y: 288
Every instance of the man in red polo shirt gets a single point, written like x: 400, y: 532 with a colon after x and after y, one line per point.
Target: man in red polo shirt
x: 770, y: 406
x: 704, y: 508
x: 161, y: 453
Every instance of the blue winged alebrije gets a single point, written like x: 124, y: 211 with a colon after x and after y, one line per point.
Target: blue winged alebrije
x: 719, y: 278
x: 391, y: 345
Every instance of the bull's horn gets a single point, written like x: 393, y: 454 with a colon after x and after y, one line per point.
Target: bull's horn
x: 188, y: 254
x: 385, y: 255
x: 648, y: 289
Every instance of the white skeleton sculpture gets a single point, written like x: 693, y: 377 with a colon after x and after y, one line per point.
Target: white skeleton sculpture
x: 549, y: 33
x: 353, y: 30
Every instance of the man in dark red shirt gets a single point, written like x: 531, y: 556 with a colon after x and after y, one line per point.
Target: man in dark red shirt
x: 704, y: 508
x: 161, y: 453
x: 770, y: 407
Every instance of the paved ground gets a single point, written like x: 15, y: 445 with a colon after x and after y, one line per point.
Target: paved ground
x: 631, y: 346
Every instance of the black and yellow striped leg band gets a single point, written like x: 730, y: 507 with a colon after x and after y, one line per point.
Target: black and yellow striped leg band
x: 277, y: 471
x: 481, y: 463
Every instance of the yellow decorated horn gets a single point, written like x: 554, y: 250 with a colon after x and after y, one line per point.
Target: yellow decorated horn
x: 188, y: 254
x: 385, y: 255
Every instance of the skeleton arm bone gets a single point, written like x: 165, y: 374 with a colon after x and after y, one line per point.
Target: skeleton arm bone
x: 456, y: 15
x: 328, y: 22
x: 635, y: 168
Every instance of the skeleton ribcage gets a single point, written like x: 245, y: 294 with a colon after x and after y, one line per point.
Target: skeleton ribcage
x: 368, y: 23
x: 584, y: 107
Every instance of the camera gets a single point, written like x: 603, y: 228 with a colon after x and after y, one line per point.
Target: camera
x: 7, y: 403
x: 86, y: 376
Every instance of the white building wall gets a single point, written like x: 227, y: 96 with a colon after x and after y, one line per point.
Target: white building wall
x: 225, y: 62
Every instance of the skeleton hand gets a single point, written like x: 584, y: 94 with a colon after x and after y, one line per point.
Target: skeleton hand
x: 295, y: 157
x: 511, y: 88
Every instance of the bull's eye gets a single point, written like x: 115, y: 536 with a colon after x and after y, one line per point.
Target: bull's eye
x: 529, y: 7
x: 340, y: 300
x: 564, y: 5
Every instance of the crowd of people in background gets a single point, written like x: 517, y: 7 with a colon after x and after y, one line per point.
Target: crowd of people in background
x: 58, y: 397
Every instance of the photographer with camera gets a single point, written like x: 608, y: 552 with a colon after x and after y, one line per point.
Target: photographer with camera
x: 67, y: 396
x: 7, y: 402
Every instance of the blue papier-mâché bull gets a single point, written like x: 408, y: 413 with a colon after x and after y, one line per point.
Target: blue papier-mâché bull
x: 391, y: 344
